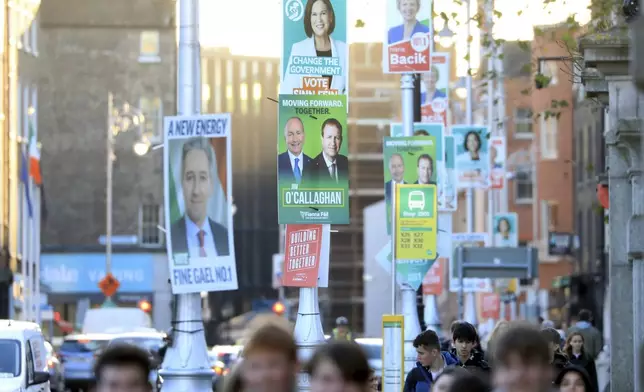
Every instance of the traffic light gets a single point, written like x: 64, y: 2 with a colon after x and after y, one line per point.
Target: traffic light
x: 278, y: 308
x: 145, y: 306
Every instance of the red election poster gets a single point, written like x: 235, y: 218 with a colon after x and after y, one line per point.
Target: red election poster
x: 490, y: 306
x: 302, y: 255
x: 434, y: 90
x: 497, y: 157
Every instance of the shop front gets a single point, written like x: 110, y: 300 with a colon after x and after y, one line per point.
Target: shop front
x: 72, y: 280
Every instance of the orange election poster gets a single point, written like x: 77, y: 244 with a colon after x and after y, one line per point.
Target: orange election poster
x: 433, y: 281
x: 302, y: 255
x: 315, y: 86
x: 490, y: 306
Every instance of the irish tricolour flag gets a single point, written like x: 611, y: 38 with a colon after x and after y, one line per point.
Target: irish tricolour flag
x: 34, y: 157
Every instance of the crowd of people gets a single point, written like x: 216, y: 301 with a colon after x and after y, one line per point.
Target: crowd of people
x: 519, y: 357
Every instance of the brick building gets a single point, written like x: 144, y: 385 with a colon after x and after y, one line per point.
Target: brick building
x: 95, y: 48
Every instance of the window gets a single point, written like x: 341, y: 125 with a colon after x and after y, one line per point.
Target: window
x: 550, y: 69
x: 29, y: 360
x: 523, y: 187
x: 548, y: 136
x: 549, y: 212
x: 11, y: 357
x: 522, y: 122
x: 152, y: 109
x: 149, y: 220
x: 149, y: 47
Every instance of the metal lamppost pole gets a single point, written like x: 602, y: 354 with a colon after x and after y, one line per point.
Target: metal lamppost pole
x: 186, y: 366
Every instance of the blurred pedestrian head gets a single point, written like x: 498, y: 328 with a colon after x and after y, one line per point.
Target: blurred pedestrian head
x: 585, y: 315
x: 499, y: 329
x: 232, y: 382
x: 339, y: 366
x: 522, y: 360
x: 464, y: 338
x: 445, y: 380
x: 374, y: 380
x: 428, y: 347
x: 553, y: 338
x: 269, y: 359
x: 574, y: 344
x: 470, y: 383
x: 342, y: 329
x: 123, y: 368
x: 574, y: 379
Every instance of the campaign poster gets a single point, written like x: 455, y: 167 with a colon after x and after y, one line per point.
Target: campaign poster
x: 302, y: 250
x: 315, y: 53
x: 278, y: 270
x: 403, y: 163
x: 448, y: 183
x: 470, y: 285
x: 198, y: 203
x: 312, y: 163
x: 433, y: 280
x: 506, y: 230
x: 497, y: 160
x: 408, y: 37
x: 472, y: 160
x: 490, y: 305
x: 434, y: 90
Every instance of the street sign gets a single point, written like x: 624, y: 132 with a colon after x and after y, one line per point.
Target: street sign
x: 416, y: 222
x: 109, y: 285
x: 497, y: 263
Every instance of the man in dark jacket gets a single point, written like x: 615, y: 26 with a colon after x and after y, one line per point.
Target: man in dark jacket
x: 593, y: 340
x: 431, y: 362
x: 465, y: 338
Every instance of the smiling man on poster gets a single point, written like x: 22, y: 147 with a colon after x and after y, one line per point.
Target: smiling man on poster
x: 329, y: 162
x: 195, y: 233
x: 291, y: 163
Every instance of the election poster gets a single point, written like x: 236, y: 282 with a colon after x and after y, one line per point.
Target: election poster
x: 315, y: 53
x: 198, y: 203
x: 497, y: 160
x: 303, y: 245
x: 393, y: 353
x: 472, y: 160
x: 470, y: 285
x: 434, y: 90
x: 312, y: 163
x: 411, y: 159
x: 447, y: 184
x: 416, y: 223
x: 433, y: 280
x: 506, y: 230
x: 278, y: 270
x: 490, y: 305
x: 408, y: 39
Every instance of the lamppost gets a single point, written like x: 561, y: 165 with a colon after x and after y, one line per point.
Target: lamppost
x: 119, y: 119
x: 445, y: 37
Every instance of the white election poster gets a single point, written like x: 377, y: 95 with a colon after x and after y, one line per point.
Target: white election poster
x: 198, y: 203
x: 470, y: 285
x: 393, y: 356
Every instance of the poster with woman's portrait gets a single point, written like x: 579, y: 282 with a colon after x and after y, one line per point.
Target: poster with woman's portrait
x: 472, y: 160
x: 314, y: 47
x: 434, y: 90
x: 497, y: 160
x: 506, y: 230
x: 408, y: 37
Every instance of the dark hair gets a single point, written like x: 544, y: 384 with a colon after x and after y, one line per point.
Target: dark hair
x: 271, y: 337
x: 467, y: 136
x: 456, y: 371
x: 465, y: 332
x: 421, y: 132
x: 331, y: 121
x: 308, y: 30
x: 551, y: 335
x: 347, y: 356
x: 568, y: 348
x: 498, y: 224
x: 526, y: 342
x: 585, y: 315
x: 470, y: 383
x: 455, y: 324
x: 121, y: 355
x: 428, y: 339
x: 425, y: 156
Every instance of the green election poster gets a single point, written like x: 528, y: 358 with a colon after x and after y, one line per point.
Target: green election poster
x: 312, y: 163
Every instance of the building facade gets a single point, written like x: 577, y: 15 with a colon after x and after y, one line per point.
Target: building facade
x: 100, y: 55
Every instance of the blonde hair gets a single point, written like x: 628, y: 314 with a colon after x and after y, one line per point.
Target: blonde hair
x: 500, y: 327
x: 270, y: 333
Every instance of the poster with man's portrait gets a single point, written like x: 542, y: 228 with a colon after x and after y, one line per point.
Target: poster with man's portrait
x: 198, y: 203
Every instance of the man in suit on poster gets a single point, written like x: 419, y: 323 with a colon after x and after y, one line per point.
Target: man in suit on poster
x: 195, y: 233
x: 329, y: 164
x: 291, y: 163
x: 397, y: 171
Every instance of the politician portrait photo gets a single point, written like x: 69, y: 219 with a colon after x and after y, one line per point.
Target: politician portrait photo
x: 199, y: 212
x: 291, y: 163
x: 408, y: 10
x: 318, y: 24
x: 329, y: 166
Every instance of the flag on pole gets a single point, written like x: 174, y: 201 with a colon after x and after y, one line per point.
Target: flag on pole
x: 34, y: 157
x: 24, y: 178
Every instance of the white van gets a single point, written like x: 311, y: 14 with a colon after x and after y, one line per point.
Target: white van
x: 115, y: 320
x: 23, y: 363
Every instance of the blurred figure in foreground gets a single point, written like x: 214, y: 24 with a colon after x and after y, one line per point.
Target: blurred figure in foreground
x: 522, y: 361
x: 574, y: 379
x: 501, y: 327
x: 431, y: 362
x: 593, y: 340
x: 269, y: 361
x: 374, y: 381
x: 447, y: 378
x: 469, y: 383
x: 558, y: 360
x: 123, y: 368
x: 339, y: 367
x: 341, y: 330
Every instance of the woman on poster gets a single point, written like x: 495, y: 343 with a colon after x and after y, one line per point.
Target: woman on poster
x: 503, y: 233
x: 408, y: 10
x: 319, y: 24
x: 431, y: 91
x: 472, y: 163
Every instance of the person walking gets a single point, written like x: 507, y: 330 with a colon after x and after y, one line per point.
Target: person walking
x: 342, y: 331
x: 431, y: 362
x: 558, y: 359
x: 593, y: 340
x: 577, y: 355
